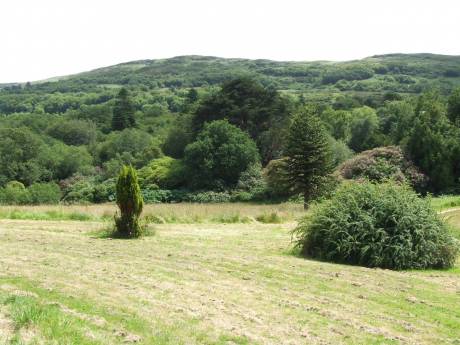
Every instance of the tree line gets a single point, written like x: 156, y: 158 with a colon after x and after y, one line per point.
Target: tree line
x: 241, y: 141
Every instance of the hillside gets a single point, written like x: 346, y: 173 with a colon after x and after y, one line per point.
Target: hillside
x: 393, y: 72
x: 61, y: 130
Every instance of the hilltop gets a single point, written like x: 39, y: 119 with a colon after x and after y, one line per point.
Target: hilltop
x: 403, y: 73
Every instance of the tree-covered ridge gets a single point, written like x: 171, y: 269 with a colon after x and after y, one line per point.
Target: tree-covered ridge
x: 78, y: 132
x: 393, y: 72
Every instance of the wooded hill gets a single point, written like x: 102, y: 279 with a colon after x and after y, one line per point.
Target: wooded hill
x: 78, y: 130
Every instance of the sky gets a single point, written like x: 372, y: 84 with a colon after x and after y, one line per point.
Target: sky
x: 46, y: 38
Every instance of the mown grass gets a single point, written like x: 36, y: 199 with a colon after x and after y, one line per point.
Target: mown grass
x: 445, y: 202
x: 209, y: 284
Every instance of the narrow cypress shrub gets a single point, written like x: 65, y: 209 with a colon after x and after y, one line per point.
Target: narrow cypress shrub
x: 130, y: 203
x: 377, y: 225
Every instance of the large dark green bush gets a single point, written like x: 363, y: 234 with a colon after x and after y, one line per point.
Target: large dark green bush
x: 130, y: 203
x: 377, y: 225
x: 220, y: 154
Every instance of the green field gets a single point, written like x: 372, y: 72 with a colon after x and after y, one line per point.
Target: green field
x: 212, y: 282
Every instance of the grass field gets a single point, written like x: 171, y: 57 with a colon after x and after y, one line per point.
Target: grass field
x: 183, y: 213
x: 206, y: 283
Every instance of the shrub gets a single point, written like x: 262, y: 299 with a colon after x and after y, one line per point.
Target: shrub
x: 377, y: 225
x: 209, y: 197
x: 276, y: 179
x: 14, y: 193
x: 270, y: 218
x: 251, y: 184
x: 165, y: 172
x: 381, y: 164
x: 155, y: 195
x: 44, y: 193
x: 130, y: 203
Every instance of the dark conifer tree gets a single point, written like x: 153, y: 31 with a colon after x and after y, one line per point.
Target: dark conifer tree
x: 123, y: 112
x: 308, y: 155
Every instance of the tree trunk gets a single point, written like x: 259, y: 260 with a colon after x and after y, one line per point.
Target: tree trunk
x: 305, y: 201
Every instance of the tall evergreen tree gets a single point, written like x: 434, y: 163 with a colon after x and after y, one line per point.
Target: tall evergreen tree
x: 433, y: 142
x: 308, y: 154
x: 453, y: 107
x: 123, y: 112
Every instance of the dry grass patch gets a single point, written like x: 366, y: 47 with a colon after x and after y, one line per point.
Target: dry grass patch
x: 216, y: 284
x: 183, y: 213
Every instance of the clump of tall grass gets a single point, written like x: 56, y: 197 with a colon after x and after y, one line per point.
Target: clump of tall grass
x: 446, y: 201
x: 23, y: 214
x: 270, y: 218
x: 377, y: 225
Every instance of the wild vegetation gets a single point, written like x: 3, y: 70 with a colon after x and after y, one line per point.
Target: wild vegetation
x: 66, y: 140
x: 212, y: 147
x: 377, y: 225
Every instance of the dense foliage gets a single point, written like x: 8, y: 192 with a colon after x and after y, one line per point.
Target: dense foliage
x: 77, y: 132
x: 377, y: 225
x: 259, y: 111
x: 219, y: 155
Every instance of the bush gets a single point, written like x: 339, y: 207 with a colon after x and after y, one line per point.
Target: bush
x: 165, y: 172
x: 381, y: 164
x: 209, y: 197
x: 130, y: 203
x: 14, y: 193
x: 156, y: 195
x: 275, y: 177
x: 251, y: 184
x: 44, y: 193
x: 377, y: 225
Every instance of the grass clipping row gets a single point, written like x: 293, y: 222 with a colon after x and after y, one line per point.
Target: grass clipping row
x: 377, y: 225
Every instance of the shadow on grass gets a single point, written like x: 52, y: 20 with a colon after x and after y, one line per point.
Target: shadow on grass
x: 296, y: 251
x: 110, y: 232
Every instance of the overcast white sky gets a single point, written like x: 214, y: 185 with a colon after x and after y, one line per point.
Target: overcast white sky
x: 45, y: 38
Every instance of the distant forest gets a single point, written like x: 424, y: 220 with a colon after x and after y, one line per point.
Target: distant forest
x: 206, y: 129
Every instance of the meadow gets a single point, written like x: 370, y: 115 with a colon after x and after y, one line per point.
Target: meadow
x: 207, y: 274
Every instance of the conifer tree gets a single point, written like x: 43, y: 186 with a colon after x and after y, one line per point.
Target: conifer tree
x: 308, y: 154
x: 130, y: 203
x: 123, y: 112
